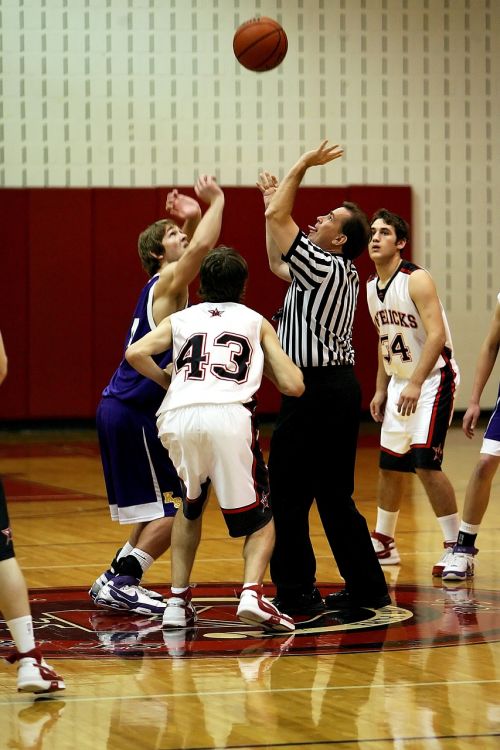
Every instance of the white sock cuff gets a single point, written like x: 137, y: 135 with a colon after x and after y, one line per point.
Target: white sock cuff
x: 178, y: 589
x: 386, y: 522
x: 125, y: 550
x: 449, y: 526
x: 469, y: 528
x: 144, y: 560
x: 21, y: 630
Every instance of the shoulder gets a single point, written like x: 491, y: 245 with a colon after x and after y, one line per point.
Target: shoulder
x: 407, y: 267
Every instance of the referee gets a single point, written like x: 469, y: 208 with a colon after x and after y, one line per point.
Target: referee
x: 313, y: 447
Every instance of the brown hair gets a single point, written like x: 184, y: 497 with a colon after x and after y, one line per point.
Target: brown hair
x: 223, y: 275
x: 149, y: 245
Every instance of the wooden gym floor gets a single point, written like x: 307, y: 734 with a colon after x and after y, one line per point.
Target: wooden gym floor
x: 423, y: 675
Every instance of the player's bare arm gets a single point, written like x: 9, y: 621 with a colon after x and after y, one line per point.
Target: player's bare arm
x: 485, y: 363
x: 377, y: 404
x: 268, y: 184
x: 206, y: 234
x: 278, y: 366
x: 424, y: 295
x: 139, y: 354
x: 171, y: 290
x: 278, y: 214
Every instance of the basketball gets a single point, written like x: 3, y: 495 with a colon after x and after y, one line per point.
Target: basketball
x: 260, y: 44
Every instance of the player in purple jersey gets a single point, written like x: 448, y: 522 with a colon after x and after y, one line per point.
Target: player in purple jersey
x: 460, y: 564
x: 142, y: 486
x: 33, y: 673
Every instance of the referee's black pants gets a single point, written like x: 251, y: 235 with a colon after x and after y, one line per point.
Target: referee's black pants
x: 312, y: 457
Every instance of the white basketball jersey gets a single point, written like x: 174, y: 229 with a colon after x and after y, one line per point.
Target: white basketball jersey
x: 217, y: 355
x: 401, y: 332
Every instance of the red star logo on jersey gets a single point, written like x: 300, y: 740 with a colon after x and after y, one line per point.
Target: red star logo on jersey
x: 8, y: 534
x: 215, y: 313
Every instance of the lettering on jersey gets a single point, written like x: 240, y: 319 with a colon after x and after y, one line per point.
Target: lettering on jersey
x: 395, y: 318
x: 169, y: 499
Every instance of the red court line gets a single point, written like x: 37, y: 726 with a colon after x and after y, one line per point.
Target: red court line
x: 23, y: 490
x: 42, y: 450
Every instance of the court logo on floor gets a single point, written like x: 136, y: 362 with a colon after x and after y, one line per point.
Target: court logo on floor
x: 68, y: 624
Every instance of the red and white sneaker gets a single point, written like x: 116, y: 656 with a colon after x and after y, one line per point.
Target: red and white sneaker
x: 385, y: 549
x: 179, y: 611
x: 255, y: 609
x: 34, y: 674
x: 437, y: 568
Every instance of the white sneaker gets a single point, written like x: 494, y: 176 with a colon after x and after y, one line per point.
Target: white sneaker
x: 385, y: 549
x: 124, y: 593
x: 179, y: 611
x: 460, y: 564
x: 255, y: 609
x: 34, y: 674
x: 437, y: 568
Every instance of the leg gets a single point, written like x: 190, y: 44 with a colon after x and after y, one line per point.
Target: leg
x: 460, y: 564
x: 14, y: 600
x: 390, y: 491
x: 257, y: 552
x: 439, y: 491
x: 33, y: 674
x: 186, y: 535
x: 293, y: 563
x: 254, y: 608
x: 477, y: 495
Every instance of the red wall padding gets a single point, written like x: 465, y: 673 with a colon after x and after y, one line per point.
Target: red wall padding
x: 70, y: 277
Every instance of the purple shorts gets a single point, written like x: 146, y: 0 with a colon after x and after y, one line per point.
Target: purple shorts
x: 141, y: 482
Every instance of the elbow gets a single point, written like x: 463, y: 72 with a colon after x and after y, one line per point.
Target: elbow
x: 295, y: 387
x: 131, y: 356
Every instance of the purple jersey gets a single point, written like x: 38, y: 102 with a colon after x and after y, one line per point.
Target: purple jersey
x: 127, y: 384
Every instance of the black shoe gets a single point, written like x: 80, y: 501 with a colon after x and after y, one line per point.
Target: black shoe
x: 295, y: 602
x: 345, y: 600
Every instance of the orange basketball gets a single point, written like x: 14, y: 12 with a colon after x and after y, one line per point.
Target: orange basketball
x: 260, y: 44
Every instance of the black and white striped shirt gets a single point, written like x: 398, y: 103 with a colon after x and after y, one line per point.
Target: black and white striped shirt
x: 318, y: 312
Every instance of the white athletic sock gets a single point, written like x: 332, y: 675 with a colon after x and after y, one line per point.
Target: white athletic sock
x: 144, y: 560
x: 386, y: 522
x: 21, y: 629
x: 125, y: 550
x: 449, y: 526
x: 177, y: 590
x: 469, y: 528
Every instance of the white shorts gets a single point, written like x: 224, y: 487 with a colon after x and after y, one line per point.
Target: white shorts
x: 419, y: 438
x: 215, y: 442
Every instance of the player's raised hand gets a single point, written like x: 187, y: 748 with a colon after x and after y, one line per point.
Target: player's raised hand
x: 206, y: 188
x: 181, y: 207
x: 322, y: 155
x: 267, y: 184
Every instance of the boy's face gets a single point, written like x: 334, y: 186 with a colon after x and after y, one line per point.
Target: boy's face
x: 384, y: 244
x: 174, y: 242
